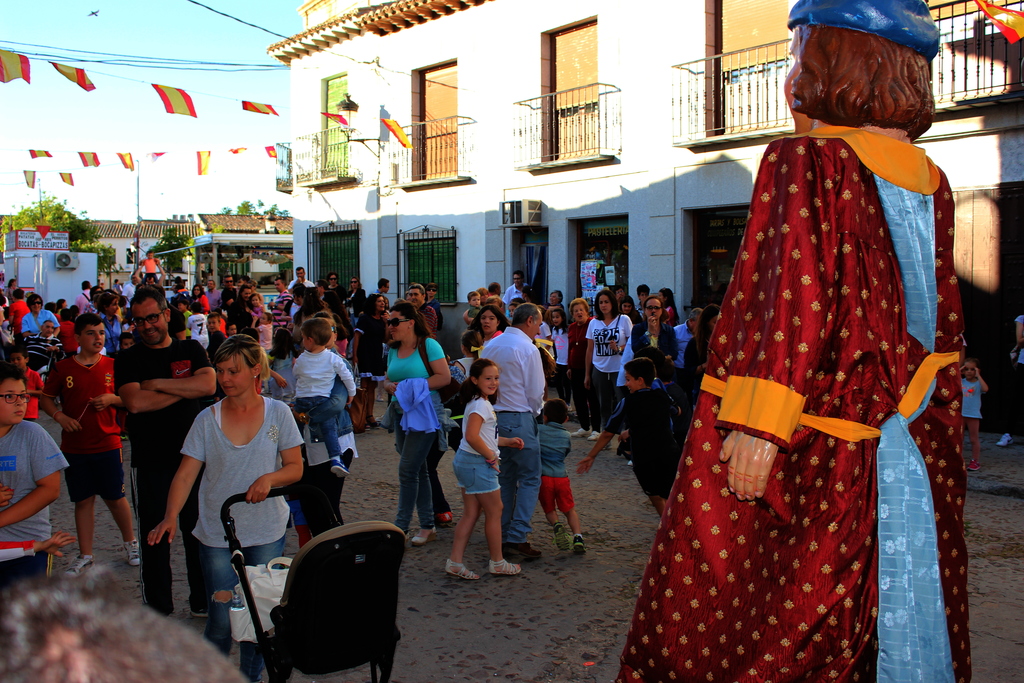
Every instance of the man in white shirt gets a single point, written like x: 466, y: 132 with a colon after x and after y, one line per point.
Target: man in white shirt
x: 519, y: 403
x: 300, y: 278
x: 128, y: 290
x: 516, y: 290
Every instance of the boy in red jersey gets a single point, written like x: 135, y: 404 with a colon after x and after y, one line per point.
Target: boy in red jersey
x: 91, y: 439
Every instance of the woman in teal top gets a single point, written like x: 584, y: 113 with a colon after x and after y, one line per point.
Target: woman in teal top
x: 405, y: 362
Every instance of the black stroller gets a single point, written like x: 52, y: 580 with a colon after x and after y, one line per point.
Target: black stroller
x: 345, y: 575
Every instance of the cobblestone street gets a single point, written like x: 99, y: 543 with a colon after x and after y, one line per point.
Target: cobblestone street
x: 565, y: 617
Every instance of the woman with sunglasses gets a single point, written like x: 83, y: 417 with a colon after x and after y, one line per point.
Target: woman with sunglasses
x: 655, y: 330
x: 416, y: 370
x: 36, y: 316
x: 355, y: 297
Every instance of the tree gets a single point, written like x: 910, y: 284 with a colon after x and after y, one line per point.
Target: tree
x: 106, y: 254
x: 247, y: 208
x: 55, y: 213
x: 173, y: 239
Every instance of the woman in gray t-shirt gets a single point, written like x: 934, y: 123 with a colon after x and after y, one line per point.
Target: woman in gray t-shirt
x: 248, y: 443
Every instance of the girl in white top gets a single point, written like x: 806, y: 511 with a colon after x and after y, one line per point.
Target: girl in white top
x: 476, y: 470
x: 560, y: 341
x: 197, y: 324
x: 607, y: 338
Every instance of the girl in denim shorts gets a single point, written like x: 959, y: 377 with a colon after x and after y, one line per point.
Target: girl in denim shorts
x: 476, y: 470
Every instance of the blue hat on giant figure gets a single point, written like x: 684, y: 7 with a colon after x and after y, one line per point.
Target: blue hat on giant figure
x: 905, y: 22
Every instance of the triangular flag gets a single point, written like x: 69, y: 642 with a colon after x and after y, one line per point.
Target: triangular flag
x: 176, y: 100
x: 89, y: 159
x: 30, y: 178
x: 153, y: 156
x: 237, y: 150
x: 126, y: 160
x: 338, y: 118
x: 1009, y: 22
x: 66, y: 177
x: 36, y: 153
x: 204, y: 162
x: 271, y: 152
x: 258, y: 108
x: 13, y: 65
x: 74, y: 75
x: 397, y: 131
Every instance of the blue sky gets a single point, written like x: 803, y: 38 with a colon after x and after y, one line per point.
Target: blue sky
x: 54, y: 114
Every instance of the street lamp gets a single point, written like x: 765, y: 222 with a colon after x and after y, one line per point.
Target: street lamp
x: 347, y: 106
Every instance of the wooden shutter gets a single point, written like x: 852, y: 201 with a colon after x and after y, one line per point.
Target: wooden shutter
x: 575, y: 56
x: 748, y: 24
x: 436, y: 141
x: 440, y: 92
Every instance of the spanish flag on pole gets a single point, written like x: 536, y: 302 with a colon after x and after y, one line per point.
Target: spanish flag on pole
x: 271, y: 151
x: 30, y: 178
x: 13, y: 65
x: 397, y: 131
x: 176, y: 100
x: 74, y: 75
x: 36, y: 153
x: 258, y: 108
x: 66, y: 177
x: 126, y: 160
x: 204, y: 162
x: 1009, y: 22
x: 89, y: 159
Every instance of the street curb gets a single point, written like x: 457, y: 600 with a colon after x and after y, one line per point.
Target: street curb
x: 995, y: 488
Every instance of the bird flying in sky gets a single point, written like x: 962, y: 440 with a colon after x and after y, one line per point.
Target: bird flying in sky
x: 94, y: 14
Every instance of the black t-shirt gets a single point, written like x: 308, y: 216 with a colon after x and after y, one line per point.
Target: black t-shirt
x: 176, y: 323
x: 227, y: 295
x: 157, y: 436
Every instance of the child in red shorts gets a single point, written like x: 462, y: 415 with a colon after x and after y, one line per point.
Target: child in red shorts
x: 554, y: 480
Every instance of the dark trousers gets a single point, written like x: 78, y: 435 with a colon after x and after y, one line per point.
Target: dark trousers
x: 436, y: 490
x: 150, y: 487
x: 562, y: 385
x: 1016, y: 399
x: 321, y: 477
x: 586, y: 400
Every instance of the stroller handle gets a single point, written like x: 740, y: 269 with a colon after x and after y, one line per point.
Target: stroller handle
x: 304, y: 492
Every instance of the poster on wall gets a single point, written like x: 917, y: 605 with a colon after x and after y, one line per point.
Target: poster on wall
x: 588, y: 279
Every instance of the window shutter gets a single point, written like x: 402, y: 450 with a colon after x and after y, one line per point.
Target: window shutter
x: 441, y: 92
x: 575, y: 57
x: 748, y: 24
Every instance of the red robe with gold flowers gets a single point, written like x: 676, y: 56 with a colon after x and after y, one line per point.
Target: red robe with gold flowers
x: 785, y: 588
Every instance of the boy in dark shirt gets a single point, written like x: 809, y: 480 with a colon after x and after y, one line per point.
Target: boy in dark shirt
x: 646, y: 417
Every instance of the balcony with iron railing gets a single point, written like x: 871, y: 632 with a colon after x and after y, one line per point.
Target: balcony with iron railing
x: 439, y: 155
x: 284, y: 166
x: 740, y: 94
x: 322, y: 158
x: 570, y: 127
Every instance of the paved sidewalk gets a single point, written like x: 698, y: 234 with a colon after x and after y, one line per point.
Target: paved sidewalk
x: 565, y: 617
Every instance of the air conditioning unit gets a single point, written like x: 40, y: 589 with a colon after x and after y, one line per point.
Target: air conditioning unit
x: 520, y: 212
x: 66, y: 261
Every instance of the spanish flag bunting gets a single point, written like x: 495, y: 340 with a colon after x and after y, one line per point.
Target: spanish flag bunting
x: 237, y: 150
x: 176, y: 100
x: 13, y: 65
x: 126, y: 160
x: 30, y: 178
x: 74, y: 75
x: 397, y: 131
x: 204, y: 162
x: 258, y: 108
x: 153, y: 156
x: 1009, y: 22
x: 36, y: 153
x: 66, y: 177
x: 337, y: 118
x: 89, y: 159
x: 271, y: 152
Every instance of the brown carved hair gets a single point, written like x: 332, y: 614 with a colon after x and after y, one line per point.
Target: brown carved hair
x: 852, y: 78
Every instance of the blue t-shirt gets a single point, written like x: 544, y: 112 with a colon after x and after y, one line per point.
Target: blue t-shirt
x: 554, y: 446
x: 972, y: 398
x: 27, y: 455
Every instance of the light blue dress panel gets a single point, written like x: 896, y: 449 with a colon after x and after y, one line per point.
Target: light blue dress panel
x: 913, y: 639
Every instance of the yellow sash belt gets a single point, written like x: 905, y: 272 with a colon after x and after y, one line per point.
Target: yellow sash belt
x: 849, y: 430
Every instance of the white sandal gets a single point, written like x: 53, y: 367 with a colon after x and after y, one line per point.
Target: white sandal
x: 504, y: 568
x: 460, y: 571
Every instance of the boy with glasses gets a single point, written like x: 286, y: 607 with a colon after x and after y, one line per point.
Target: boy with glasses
x: 30, y: 465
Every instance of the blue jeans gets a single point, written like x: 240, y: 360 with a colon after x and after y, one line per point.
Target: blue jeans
x: 413, y: 478
x: 323, y: 424
x: 22, y: 568
x: 520, y: 475
x: 219, y: 575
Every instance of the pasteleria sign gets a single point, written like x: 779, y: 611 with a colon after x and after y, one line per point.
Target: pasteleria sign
x: 41, y: 237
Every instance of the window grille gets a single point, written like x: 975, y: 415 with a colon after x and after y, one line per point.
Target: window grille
x: 428, y: 254
x: 333, y: 247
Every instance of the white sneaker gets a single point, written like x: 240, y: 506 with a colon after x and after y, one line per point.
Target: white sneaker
x: 79, y: 566
x: 132, y: 548
x: 1005, y: 441
x: 580, y: 433
x: 594, y: 436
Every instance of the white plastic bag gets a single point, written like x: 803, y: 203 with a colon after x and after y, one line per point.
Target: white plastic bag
x: 266, y: 581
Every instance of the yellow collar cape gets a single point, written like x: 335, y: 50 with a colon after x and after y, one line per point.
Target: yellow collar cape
x: 901, y: 163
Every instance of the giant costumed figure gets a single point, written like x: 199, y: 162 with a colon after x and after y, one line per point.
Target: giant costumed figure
x: 815, y: 528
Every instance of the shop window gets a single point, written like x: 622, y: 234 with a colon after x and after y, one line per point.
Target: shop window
x: 429, y: 255
x: 718, y: 237
x: 604, y: 254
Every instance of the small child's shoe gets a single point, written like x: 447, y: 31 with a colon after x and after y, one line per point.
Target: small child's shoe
x: 338, y: 468
x: 132, y: 548
x: 301, y: 418
x: 973, y: 466
x: 460, y: 571
x: 445, y: 520
x: 561, y: 536
x: 79, y: 566
x: 504, y: 568
x: 578, y: 546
